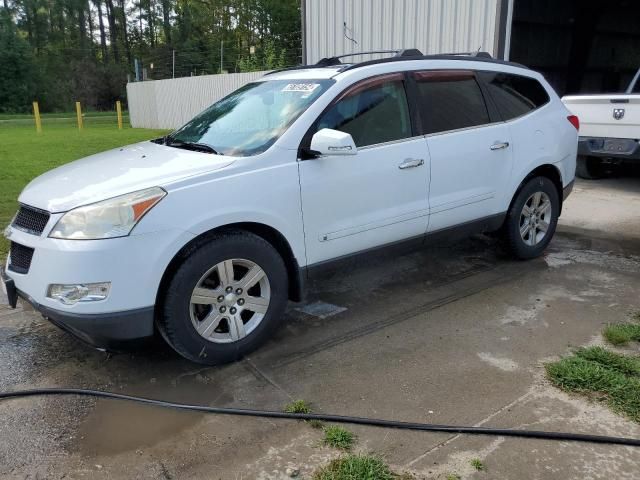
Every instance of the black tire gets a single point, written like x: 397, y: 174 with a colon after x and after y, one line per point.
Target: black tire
x: 590, y: 168
x: 174, y: 320
x: 514, y: 221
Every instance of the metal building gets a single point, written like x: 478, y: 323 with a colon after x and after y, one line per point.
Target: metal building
x: 579, y: 45
x: 333, y: 27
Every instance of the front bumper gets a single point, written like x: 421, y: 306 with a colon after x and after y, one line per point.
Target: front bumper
x: 9, y: 288
x: 133, y: 265
x: 616, y: 148
x: 106, y: 331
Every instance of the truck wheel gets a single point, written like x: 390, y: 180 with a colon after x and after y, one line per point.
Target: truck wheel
x: 532, y: 218
x: 225, y: 299
x: 590, y: 168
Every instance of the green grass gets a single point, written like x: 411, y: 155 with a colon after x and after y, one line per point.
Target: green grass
x: 298, y: 406
x: 355, y: 467
x: 24, y: 155
x: 338, y: 437
x: 622, y: 333
x: 624, y: 364
x: 454, y: 476
x: 477, y: 464
x: 603, y: 375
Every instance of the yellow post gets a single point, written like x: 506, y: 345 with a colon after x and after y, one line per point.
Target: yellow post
x: 79, y: 115
x: 119, y: 111
x: 36, y: 115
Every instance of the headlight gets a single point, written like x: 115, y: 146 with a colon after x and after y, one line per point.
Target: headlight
x: 111, y: 218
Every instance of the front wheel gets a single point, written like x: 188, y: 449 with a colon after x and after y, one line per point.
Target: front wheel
x: 225, y: 299
x: 532, y: 218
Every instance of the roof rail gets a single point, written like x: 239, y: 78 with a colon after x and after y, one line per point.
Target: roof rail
x: 477, y: 53
x: 399, y: 55
x: 331, y: 61
x: 477, y: 56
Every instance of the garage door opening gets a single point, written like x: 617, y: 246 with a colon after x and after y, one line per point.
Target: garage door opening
x: 581, y: 46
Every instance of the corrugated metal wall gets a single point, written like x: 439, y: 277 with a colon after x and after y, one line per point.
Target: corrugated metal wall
x: 433, y: 26
x: 171, y: 103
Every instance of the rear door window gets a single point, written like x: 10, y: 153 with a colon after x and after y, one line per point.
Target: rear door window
x: 450, y: 100
x: 514, y: 95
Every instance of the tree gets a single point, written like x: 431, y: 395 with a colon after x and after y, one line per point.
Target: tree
x: 268, y: 57
x: 67, y: 50
x: 103, y: 35
x: 18, y: 79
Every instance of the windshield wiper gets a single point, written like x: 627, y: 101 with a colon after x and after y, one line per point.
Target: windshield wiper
x: 197, y: 147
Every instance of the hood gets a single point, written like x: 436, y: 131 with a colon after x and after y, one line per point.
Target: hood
x: 116, y: 172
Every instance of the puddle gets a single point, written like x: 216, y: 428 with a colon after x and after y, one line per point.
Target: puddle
x: 118, y: 426
x: 538, y: 303
x: 610, y: 261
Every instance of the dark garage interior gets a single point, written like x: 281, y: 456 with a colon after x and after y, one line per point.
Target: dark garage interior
x: 581, y: 46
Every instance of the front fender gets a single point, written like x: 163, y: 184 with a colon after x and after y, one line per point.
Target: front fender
x: 269, y: 196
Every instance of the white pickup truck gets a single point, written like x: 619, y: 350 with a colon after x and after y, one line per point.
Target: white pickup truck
x: 609, y: 129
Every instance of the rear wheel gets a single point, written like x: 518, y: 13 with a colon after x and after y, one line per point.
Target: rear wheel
x: 532, y: 218
x: 590, y: 168
x: 225, y: 299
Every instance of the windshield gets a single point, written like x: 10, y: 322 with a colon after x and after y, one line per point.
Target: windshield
x: 252, y: 118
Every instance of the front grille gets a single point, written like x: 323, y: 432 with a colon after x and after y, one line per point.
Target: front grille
x: 31, y: 220
x: 20, y: 258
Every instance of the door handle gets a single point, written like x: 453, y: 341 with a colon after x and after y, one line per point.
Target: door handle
x: 411, y: 163
x: 499, y: 145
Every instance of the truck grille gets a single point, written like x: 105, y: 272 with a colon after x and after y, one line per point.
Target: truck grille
x: 20, y: 258
x: 31, y: 220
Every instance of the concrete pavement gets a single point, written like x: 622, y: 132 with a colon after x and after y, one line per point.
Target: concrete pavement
x: 452, y: 334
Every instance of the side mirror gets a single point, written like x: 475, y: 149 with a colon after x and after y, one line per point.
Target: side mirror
x: 333, y: 142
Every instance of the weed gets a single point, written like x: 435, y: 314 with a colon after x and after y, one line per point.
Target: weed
x: 338, y: 437
x: 352, y: 467
x: 477, y: 464
x: 596, y: 371
x: 621, y: 363
x: 298, y: 406
x: 622, y: 333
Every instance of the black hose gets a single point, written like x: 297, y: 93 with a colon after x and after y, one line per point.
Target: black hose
x: 373, y: 422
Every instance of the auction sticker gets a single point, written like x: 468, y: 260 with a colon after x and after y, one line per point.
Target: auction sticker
x: 301, y: 87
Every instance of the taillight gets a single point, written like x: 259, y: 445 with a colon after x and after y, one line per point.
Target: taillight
x: 574, y: 120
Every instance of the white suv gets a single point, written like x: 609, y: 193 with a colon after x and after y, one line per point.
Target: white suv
x: 205, y: 234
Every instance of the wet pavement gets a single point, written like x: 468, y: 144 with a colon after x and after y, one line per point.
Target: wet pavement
x: 450, y: 334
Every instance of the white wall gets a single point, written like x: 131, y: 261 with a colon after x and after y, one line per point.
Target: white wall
x: 171, y: 103
x: 432, y: 26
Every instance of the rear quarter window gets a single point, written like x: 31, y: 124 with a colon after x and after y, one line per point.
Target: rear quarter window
x: 514, y: 95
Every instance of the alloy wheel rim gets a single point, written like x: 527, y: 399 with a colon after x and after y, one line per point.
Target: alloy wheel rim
x: 230, y: 300
x: 535, y: 218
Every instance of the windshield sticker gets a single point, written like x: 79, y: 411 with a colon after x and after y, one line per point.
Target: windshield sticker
x: 301, y: 87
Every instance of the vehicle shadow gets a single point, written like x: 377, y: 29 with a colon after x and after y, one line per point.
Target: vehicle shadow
x: 625, y: 178
x: 368, y: 296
